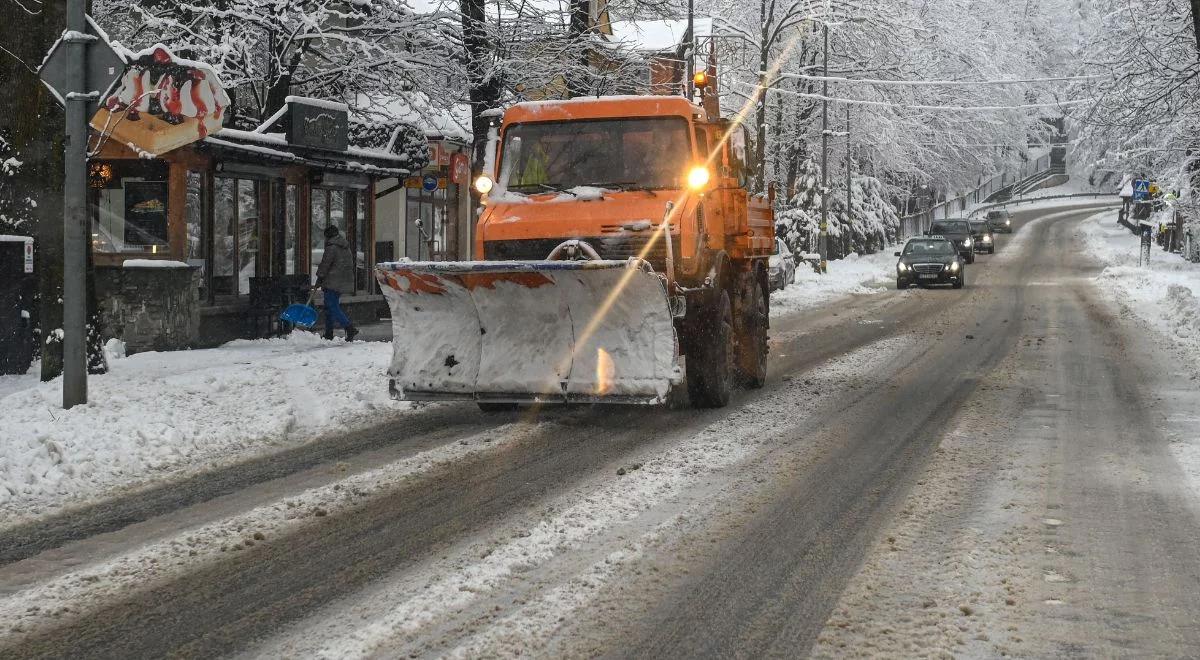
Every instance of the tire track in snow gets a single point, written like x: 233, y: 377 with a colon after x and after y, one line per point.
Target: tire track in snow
x: 560, y: 555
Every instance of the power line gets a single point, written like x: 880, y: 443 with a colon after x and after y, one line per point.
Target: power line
x: 948, y: 108
x: 936, y: 83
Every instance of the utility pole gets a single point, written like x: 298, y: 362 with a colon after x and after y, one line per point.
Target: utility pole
x: 691, y: 46
x: 75, y: 211
x: 849, y: 213
x: 823, y: 239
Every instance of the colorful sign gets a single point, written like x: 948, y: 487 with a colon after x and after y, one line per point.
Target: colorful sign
x: 429, y: 183
x: 28, y: 256
x: 162, y: 103
x: 460, y: 168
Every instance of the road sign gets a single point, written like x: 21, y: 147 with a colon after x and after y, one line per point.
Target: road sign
x: 29, y: 256
x: 429, y: 183
x: 104, y: 66
x: 1141, y: 190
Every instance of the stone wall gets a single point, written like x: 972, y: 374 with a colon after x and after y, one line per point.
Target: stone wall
x: 149, y: 308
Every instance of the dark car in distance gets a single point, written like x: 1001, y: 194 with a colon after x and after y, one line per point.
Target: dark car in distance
x: 930, y: 260
x: 985, y: 240
x: 1000, y: 220
x: 958, y: 232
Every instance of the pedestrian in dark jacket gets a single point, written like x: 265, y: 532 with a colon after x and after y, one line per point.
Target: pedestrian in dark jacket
x: 335, y: 276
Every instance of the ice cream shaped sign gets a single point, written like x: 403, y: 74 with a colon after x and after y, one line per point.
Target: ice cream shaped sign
x: 162, y: 103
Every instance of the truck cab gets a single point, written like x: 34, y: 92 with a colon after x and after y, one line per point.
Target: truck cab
x: 605, y: 170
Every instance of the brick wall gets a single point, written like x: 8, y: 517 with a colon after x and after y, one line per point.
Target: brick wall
x: 150, y: 309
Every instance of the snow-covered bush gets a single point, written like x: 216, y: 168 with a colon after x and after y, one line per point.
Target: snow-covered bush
x: 872, y: 223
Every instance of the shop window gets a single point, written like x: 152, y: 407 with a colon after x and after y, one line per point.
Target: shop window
x: 224, y: 236
x: 328, y: 208
x: 251, y: 210
x: 437, y: 237
x: 291, y: 236
x: 362, y: 237
x: 129, y: 206
x: 195, y: 251
x: 238, y: 207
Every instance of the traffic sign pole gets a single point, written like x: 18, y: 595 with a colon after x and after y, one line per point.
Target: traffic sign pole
x: 75, y: 211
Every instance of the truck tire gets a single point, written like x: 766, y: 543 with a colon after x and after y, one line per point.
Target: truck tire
x: 710, y: 359
x: 754, y: 318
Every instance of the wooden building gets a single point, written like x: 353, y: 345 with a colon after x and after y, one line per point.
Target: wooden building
x: 242, y: 213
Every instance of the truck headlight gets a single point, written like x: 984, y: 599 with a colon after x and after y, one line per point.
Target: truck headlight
x: 483, y: 185
x: 698, y: 178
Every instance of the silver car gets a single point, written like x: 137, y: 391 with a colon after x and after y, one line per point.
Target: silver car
x: 782, y: 268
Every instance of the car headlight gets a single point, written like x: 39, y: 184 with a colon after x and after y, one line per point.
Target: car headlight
x: 954, y: 267
x: 968, y: 242
x: 987, y: 238
x: 901, y: 267
x: 1008, y: 223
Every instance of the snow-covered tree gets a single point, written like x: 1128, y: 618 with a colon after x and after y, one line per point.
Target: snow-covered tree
x: 16, y: 207
x: 265, y: 50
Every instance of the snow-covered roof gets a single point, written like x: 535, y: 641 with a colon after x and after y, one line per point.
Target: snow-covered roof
x: 8, y: 238
x: 416, y: 108
x: 659, y: 35
x: 273, y: 146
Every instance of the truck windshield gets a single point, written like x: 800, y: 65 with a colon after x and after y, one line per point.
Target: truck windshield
x: 645, y: 154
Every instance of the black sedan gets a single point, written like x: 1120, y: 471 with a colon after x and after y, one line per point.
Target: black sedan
x: 929, y: 260
x: 1000, y: 220
x: 985, y: 240
x: 958, y: 232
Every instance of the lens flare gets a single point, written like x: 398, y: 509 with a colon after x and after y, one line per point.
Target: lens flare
x: 606, y: 372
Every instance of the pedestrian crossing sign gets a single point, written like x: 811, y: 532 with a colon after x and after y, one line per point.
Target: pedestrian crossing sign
x: 1141, y: 189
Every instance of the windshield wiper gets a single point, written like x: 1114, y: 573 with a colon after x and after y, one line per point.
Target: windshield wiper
x: 625, y: 186
x: 557, y: 189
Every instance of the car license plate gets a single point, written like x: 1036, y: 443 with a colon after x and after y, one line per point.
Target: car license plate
x: 928, y: 276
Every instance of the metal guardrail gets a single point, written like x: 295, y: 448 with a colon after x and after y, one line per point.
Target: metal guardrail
x: 919, y: 222
x: 1032, y: 200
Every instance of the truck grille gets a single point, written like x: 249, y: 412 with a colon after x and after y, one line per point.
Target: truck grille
x: 928, y: 268
x: 617, y: 248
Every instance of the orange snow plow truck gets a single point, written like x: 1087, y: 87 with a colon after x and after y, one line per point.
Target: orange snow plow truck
x: 619, y: 256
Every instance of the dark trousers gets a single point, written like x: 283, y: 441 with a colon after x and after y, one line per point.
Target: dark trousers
x: 333, y: 310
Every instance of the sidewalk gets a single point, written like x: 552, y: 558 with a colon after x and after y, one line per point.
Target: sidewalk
x: 158, y: 416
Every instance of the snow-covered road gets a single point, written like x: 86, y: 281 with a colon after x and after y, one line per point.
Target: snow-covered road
x: 982, y: 471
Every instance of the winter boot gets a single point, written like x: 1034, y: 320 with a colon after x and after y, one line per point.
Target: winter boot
x: 327, y: 335
x: 351, y: 333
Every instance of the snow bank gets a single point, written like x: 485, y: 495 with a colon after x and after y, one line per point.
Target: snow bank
x: 1162, y: 294
x: 158, y: 416
x: 872, y: 273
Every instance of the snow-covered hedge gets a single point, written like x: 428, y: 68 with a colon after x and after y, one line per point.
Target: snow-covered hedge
x: 873, y: 221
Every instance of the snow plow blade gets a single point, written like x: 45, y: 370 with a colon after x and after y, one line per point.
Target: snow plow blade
x: 530, y: 332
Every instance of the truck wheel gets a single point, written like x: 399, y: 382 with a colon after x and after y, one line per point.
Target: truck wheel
x: 710, y: 360
x: 752, y: 339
